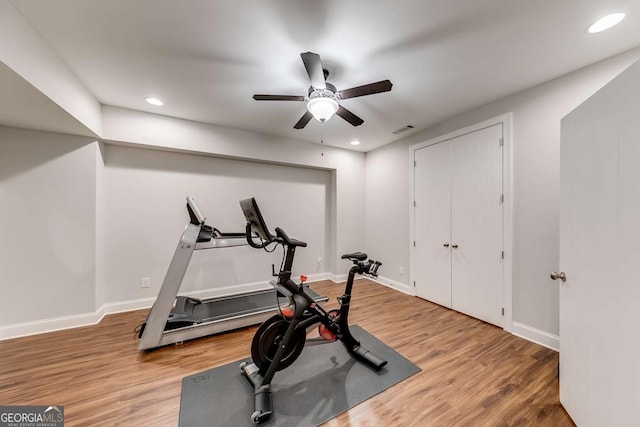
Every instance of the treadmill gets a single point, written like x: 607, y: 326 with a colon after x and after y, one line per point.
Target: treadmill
x: 173, y: 319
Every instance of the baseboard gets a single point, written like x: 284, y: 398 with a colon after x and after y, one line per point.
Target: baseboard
x: 318, y: 277
x: 124, y: 306
x: 337, y: 278
x: 18, y: 330
x: 25, y: 329
x: 398, y: 286
x: 86, y: 319
x: 537, y: 336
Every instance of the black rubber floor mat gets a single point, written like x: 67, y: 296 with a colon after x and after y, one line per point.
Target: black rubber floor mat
x: 324, y: 382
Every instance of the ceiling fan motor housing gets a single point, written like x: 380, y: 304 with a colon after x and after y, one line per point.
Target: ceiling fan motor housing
x: 328, y: 92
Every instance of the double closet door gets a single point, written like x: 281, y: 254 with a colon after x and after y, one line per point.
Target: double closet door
x: 458, y: 233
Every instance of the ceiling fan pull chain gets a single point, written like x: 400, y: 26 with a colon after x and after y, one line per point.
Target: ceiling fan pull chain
x: 322, y: 144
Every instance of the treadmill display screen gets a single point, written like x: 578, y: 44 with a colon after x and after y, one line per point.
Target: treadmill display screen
x: 252, y: 214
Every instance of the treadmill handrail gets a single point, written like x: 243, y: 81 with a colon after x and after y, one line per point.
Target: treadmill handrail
x: 222, y: 242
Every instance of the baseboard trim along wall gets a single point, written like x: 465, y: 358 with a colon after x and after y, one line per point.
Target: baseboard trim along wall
x: 18, y: 330
x: 537, y: 336
x: 35, y: 327
x: 336, y: 278
x: 25, y: 329
x: 398, y: 286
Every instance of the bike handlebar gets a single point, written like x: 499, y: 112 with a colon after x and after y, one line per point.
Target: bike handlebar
x: 373, y: 268
x: 281, y: 237
x: 288, y: 240
x: 362, y: 265
x: 369, y: 267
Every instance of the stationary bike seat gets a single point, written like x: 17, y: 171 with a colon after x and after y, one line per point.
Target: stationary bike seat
x: 360, y: 256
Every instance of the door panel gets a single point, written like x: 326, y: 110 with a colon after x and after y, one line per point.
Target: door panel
x: 626, y: 301
x: 457, y: 190
x: 432, y: 260
x: 476, y: 208
x: 573, y: 253
x: 600, y: 254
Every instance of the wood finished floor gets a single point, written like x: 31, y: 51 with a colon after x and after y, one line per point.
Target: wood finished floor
x: 473, y: 374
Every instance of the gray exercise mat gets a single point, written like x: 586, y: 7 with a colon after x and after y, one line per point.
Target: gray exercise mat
x: 322, y: 383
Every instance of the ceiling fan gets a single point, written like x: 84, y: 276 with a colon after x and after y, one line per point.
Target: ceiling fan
x: 322, y: 99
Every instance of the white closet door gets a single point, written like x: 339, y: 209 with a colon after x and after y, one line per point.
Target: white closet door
x: 432, y: 259
x: 476, y: 209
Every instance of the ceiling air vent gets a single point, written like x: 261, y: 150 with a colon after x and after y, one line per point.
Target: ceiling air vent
x: 403, y: 129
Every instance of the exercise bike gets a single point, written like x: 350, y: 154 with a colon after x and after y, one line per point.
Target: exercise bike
x: 279, y: 340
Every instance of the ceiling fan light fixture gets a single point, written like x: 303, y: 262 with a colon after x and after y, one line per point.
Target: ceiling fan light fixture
x: 322, y: 108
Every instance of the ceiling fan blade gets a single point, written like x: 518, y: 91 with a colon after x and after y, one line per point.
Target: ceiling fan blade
x: 370, y: 89
x: 349, y: 116
x: 303, y: 120
x: 313, y: 65
x: 279, y: 98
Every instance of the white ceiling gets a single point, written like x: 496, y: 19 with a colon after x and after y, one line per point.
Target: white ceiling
x: 206, y: 58
x: 23, y: 106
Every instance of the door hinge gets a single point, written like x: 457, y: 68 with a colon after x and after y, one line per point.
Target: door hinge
x: 502, y: 254
x: 502, y: 198
x: 414, y: 283
x: 503, y: 311
x: 415, y: 163
x: 414, y: 203
x: 414, y: 243
x: 501, y: 142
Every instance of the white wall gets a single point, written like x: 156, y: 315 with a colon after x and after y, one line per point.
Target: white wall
x: 47, y: 224
x: 100, y: 190
x: 154, y: 131
x: 146, y: 214
x: 136, y: 201
x: 24, y: 50
x: 536, y: 141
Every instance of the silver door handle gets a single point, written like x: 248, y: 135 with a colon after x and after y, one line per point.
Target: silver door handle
x: 445, y: 244
x: 561, y: 276
x: 454, y: 246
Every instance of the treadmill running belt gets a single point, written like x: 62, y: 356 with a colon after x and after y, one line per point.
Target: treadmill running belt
x: 242, y: 305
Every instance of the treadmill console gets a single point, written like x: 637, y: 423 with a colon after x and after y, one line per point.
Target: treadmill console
x: 194, y: 213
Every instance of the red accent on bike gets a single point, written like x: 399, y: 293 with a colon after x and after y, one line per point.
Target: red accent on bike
x: 325, y: 333
x: 287, y: 311
x: 303, y: 278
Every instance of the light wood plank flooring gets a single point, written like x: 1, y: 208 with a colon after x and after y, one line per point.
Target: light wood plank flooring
x: 473, y: 374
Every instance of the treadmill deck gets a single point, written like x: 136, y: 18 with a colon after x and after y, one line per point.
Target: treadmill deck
x: 224, y: 314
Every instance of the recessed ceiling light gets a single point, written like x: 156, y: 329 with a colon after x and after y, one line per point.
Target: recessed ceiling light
x: 355, y: 142
x: 606, y: 22
x: 154, y: 101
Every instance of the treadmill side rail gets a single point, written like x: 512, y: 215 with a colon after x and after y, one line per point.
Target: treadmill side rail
x: 161, y: 308
x: 222, y: 242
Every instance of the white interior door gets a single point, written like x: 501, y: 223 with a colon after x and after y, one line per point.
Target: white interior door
x: 432, y: 254
x: 600, y: 255
x: 476, y: 234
